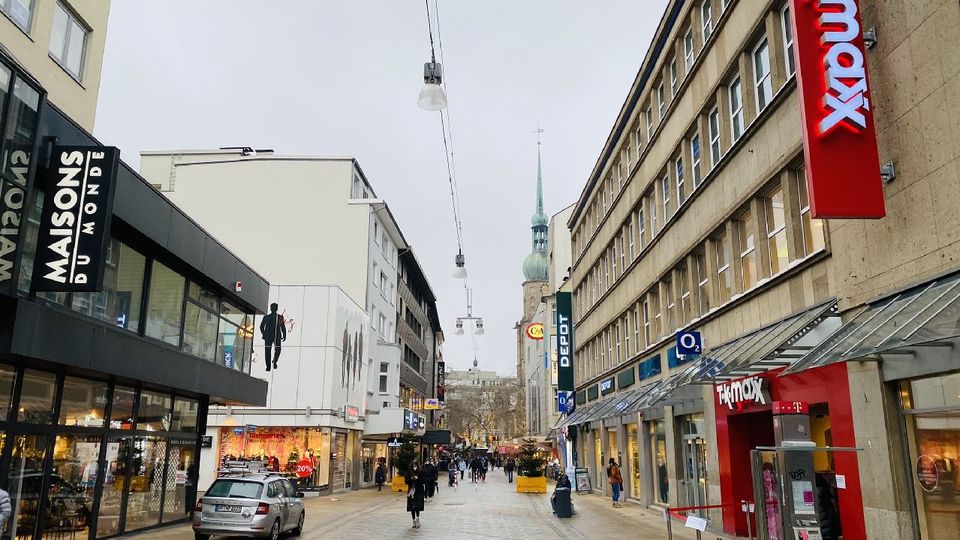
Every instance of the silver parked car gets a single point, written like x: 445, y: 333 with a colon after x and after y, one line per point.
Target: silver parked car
x: 259, y: 505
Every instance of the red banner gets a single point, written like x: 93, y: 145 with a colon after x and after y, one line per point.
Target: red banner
x: 839, y: 135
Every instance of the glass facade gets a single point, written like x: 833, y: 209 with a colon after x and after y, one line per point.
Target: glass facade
x: 932, y: 414
x: 658, y: 455
x: 71, y: 474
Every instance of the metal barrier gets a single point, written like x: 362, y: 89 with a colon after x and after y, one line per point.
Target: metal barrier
x: 694, y: 522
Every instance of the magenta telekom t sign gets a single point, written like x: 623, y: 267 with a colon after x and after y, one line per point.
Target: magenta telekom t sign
x: 839, y: 134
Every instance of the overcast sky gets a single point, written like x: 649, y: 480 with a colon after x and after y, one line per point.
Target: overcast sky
x: 325, y: 77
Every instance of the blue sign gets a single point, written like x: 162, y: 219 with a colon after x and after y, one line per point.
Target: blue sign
x: 562, y: 399
x: 251, y: 428
x: 228, y: 358
x: 239, y: 431
x: 689, y: 343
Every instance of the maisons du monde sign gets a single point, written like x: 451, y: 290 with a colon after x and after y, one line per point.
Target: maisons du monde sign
x: 75, y: 222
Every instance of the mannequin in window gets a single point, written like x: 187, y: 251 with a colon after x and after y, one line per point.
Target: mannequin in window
x: 274, y: 332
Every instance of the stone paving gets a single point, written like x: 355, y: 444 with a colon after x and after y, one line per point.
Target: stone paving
x: 487, y: 510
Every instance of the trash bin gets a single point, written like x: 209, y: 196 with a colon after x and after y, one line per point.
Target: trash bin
x: 562, y: 505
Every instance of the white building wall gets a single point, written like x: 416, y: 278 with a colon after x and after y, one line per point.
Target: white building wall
x: 381, y: 298
x: 287, y: 217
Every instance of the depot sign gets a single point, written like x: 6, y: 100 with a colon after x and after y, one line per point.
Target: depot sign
x: 839, y: 134
x: 565, y: 341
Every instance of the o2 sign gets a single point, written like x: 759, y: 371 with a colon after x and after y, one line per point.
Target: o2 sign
x: 689, y: 343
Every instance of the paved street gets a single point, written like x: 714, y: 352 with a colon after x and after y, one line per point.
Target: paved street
x: 490, y: 510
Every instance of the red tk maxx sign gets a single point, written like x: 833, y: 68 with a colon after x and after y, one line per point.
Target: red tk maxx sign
x: 839, y: 135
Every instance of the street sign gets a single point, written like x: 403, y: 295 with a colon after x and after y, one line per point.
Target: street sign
x: 689, y: 343
x: 562, y: 399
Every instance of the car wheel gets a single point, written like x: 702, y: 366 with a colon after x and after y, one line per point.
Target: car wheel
x: 299, y: 529
x: 198, y: 536
x: 275, y: 530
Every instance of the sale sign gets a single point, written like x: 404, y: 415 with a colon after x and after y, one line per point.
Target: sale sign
x: 304, y: 468
x: 839, y: 133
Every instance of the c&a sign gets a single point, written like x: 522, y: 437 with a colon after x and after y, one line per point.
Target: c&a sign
x: 839, y: 134
x: 75, y: 223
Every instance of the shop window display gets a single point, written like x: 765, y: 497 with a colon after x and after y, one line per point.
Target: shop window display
x: 658, y: 454
x: 114, y: 476
x: 146, y: 468
x: 71, y: 486
x: 280, y: 449
x: 634, y: 461
x: 932, y: 409
x: 24, y: 480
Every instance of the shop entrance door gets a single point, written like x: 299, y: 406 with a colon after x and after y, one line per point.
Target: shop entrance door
x: 695, y: 471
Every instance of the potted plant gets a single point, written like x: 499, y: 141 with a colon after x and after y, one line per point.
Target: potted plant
x: 406, y: 455
x: 530, y: 477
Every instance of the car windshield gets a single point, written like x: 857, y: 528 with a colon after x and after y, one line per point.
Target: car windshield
x: 237, y: 489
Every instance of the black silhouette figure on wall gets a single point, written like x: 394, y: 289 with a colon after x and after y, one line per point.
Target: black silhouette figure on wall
x: 273, y: 329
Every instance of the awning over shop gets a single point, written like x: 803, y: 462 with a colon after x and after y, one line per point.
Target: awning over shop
x: 910, y: 332
x: 771, y: 347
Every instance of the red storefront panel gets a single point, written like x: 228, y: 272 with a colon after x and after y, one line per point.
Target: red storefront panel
x: 749, y: 425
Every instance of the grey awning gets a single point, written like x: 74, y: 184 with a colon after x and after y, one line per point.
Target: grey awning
x: 910, y: 323
x: 774, y: 346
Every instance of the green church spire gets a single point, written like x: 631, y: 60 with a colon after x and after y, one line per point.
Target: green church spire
x: 535, y: 265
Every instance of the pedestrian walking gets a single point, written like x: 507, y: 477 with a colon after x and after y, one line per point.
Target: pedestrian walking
x: 381, y: 475
x: 429, y: 478
x: 415, y: 493
x: 484, y: 463
x: 452, y: 473
x: 509, y: 467
x: 616, y: 481
x: 462, y: 466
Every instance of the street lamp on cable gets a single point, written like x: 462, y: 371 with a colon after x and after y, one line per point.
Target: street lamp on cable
x: 460, y: 272
x: 477, y: 321
x: 432, y: 96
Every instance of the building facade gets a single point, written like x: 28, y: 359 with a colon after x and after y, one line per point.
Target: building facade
x: 530, y: 347
x: 108, y: 366
x: 359, y: 247
x: 697, y: 216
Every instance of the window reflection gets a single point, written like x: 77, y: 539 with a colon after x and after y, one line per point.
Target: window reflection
x: 165, y: 304
x: 147, y: 471
x: 24, y: 480
x: 121, y: 416
x: 235, y: 343
x: 119, y: 301
x: 71, y: 486
x: 154, y: 411
x: 37, y: 396
x: 83, y: 402
x: 185, y: 413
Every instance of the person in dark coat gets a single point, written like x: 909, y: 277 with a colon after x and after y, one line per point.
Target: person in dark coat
x: 416, y: 491
x: 381, y: 475
x: 429, y: 478
x: 509, y: 467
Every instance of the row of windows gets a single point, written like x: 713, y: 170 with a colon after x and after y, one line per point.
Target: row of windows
x: 68, y: 34
x: 640, y: 136
x: 684, y: 172
x: 712, y: 123
x: 178, y: 311
x: 765, y: 237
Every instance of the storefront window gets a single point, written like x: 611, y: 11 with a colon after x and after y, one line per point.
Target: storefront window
x: 284, y: 448
x: 165, y: 304
x: 154, y: 411
x: 179, y: 491
x: 934, y: 438
x: 147, y: 471
x: 200, y: 332
x: 184, y: 415
x: 658, y: 454
x: 118, y: 302
x: 598, y: 456
x: 83, y: 402
x: 121, y: 415
x: 693, y: 459
x: 235, y: 341
x: 8, y: 377
x: 24, y: 479
x: 71, y: 487
x: 37, y: 397
x: 634, y: 446
x: 114, y: 476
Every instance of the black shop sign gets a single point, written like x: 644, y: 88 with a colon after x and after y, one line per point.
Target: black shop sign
x: 75, y: 223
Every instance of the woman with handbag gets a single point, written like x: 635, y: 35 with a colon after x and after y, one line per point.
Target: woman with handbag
x: 416, y: 492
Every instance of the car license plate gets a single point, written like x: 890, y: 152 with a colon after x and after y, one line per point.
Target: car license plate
x: 227, y: 508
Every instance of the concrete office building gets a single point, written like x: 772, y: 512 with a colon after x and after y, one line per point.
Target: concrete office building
x: 356, y: 246
x: 697, y: 217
